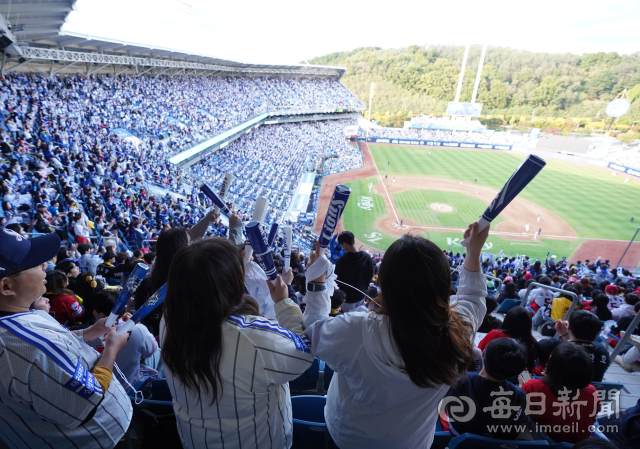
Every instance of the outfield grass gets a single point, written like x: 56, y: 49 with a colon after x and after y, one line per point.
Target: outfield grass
x: 361, y: 222
x: 594, y: 203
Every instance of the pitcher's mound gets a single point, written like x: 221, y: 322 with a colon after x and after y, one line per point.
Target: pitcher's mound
x: 441, y: 207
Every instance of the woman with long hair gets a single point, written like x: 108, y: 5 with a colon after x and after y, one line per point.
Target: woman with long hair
x: 600, y: 307
x: 227, y: 367
x: 567, y: 382
x: 167, y: 246
x: 64, y: 304
x: 509, y: 292
x: 393, y: 365
x: 517, y: 324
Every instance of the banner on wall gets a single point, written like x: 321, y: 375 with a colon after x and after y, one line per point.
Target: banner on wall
x: 623, y: 169
x: 438, y: 143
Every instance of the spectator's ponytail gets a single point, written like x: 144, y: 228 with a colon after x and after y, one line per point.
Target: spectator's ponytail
x: 433, y: 341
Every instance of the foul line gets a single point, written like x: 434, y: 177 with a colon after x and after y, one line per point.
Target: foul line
x: 383, y: 185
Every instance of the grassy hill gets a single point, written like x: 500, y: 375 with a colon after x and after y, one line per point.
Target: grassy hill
x: 421, y: 80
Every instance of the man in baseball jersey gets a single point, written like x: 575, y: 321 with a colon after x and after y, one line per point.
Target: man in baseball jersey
x: 55, y: 391
x: 541, y: 297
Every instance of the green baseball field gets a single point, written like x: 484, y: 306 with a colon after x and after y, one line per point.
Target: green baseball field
x: 569, y: 209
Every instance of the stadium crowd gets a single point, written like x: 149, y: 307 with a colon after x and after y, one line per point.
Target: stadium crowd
x: 629, y: 157
x: 82, y: 195
x: 269, y: 162
x: 487, y: 137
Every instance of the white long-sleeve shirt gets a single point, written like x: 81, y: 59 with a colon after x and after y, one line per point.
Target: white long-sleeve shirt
x: 258, y: 359
x: 371, y: 402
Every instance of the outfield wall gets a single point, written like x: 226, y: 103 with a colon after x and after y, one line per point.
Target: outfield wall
x: 436, y: 143
x: 570, y: 157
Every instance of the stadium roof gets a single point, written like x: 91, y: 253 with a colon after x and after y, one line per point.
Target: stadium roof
x: 37, y: 25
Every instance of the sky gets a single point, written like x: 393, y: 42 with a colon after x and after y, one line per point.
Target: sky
x: 289, y: 32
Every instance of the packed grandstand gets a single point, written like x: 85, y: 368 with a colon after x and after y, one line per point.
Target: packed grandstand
x: 345, y: 349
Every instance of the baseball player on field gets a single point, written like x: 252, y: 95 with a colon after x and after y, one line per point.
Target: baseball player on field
x: 55, y: 391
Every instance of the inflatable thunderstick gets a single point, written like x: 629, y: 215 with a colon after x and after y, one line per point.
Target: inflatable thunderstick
x: 336, y: 207
x: 520, y: 178
x: 130, y: 287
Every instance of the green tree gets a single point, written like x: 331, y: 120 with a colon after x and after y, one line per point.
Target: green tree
x: 634, y: 92
x: 546, y: 90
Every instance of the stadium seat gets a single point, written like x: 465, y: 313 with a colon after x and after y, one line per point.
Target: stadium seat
x: 155, y: 415
x: 308, y: 421
x: 308, y: 380
x: 507, y: 305
x: 469, y: 441
x: 441, y: 438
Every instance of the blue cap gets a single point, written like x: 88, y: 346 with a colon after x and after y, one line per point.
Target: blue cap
x: 18, y: 253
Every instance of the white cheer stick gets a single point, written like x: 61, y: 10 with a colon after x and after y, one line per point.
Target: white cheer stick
x: 260, y: 209
x: 224, y: 188
x: 288, y: 242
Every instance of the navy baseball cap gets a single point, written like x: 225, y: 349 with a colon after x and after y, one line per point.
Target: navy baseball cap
x: 18, y: 253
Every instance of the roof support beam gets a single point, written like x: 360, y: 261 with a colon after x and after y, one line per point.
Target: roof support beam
x: 11, y: 69
x: 162, y: 71
x: 98, y: 68
x: 64, y: 67
x: 120, y: 72
x: 148, y: 70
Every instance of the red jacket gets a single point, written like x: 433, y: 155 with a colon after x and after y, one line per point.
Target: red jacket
x: 567, y: 421
x: 65, y: 308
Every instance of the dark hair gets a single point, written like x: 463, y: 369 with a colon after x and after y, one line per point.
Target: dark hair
x: 108, y: 256
x: 168, y: 244
x: 510, y: 289
x: 504, y: 358
x: 149, y: 257
x: 346, y: 237
x: 137, y: 253
x: 517, y: 324
x: 492, y: 304
x: 569, y: 367
x: 338, y: 298
x: 104, y: 301
x: 602, y: 311
x: 433, y: 340
x: 65, y: 266
x: 16, y: 227
x: 584, y: 325
x: 85, y: 288
x: 56, y: 281
x: 544, y: 280
x: 84, y: 248
x: 205, y: 286
x: 63, y: 253
x: 299, y: 283
x: 631, y: 299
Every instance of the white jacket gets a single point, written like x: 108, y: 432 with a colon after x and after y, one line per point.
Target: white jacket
x: 371, y: 402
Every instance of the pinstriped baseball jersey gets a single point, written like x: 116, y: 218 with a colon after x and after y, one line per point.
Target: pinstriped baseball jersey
x: 48, y: 396
x: 258, y: 359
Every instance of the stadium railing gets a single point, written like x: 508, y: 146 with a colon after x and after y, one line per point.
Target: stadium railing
x: 625, y: 338
x: 574, y: 303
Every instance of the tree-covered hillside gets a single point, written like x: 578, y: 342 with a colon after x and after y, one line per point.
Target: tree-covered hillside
x: 421, y: 80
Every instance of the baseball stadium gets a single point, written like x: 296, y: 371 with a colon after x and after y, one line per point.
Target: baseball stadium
x: 387, y: 247
x: 434, y: 191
